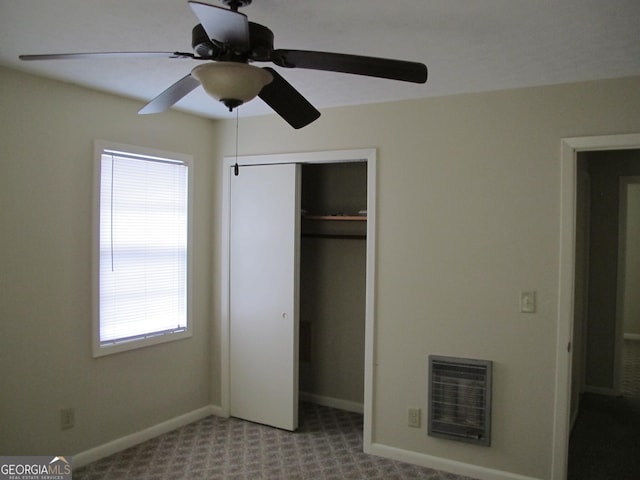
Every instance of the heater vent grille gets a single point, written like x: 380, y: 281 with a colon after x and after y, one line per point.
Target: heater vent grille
x: 460, y: 399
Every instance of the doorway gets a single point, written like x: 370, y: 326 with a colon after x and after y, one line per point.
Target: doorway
x: 599, y: 399
x: 367, y: 156
x: 610, y: 299
x: 570, y: 149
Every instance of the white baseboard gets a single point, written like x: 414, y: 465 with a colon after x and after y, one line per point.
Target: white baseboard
x: 332, y: 402
x: 119, y: 444
x: 574, y: 418
x: 443, y: 464
x: 601, y: 391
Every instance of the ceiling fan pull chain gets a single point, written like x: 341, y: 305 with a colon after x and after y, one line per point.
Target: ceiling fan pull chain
x: 236, y: 169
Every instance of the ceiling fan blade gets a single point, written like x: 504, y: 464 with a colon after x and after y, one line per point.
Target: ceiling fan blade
x: 171, y: 95
x: 222, y: 25
x: 287, y: 102
x: 73, y: 56
x: 356, y: 64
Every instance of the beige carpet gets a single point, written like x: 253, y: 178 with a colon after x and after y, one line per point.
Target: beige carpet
x: 328, y: 445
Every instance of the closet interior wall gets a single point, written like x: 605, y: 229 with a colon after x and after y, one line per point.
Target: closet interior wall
x: 332, y: 283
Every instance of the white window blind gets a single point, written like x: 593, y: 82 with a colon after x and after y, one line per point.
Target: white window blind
x: 143, y: 258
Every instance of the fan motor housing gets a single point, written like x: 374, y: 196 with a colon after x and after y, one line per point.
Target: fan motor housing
x: 260, y: 45
x: 201, y: 44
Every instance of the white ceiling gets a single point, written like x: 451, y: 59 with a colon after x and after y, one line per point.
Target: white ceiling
x: 468, y: 45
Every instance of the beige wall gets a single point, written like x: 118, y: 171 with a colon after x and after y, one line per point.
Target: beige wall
x: 631, y: 315
x: 46, y: 177
x: 332, y: 299
x: 468, y: 215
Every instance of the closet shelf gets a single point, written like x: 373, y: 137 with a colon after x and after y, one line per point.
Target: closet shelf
x: 334, y: 226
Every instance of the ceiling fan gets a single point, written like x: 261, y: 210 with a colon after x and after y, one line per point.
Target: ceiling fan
x: 229, y: 43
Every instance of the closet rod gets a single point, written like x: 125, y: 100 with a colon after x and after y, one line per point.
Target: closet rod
x: 335, y: 235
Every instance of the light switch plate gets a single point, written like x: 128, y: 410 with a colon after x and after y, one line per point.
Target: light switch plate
x: 528, y: 301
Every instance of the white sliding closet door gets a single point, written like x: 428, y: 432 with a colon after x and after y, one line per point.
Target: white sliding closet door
x: 264, y: 279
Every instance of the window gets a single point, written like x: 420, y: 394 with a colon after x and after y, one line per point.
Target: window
x: 141, y: 259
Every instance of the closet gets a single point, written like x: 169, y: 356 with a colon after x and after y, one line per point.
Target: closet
x: 332, y: 283
x: 297, y: 297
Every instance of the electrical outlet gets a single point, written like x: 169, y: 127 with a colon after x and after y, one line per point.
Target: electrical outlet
x: 413, y: 415
x: 67, y: 418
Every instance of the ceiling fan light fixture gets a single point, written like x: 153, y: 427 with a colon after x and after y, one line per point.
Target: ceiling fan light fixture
x: 232, y: 83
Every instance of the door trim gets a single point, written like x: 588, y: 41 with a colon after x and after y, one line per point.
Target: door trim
x: 569, y: 149
x: 334, y: 156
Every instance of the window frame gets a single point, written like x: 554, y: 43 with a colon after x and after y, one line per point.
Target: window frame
x: 98, y: 349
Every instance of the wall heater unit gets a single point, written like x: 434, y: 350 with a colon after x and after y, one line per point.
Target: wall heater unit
x: 460, y: 399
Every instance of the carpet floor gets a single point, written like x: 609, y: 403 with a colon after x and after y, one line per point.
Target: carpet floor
x: 605, y: 441
x: 327, y: 445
